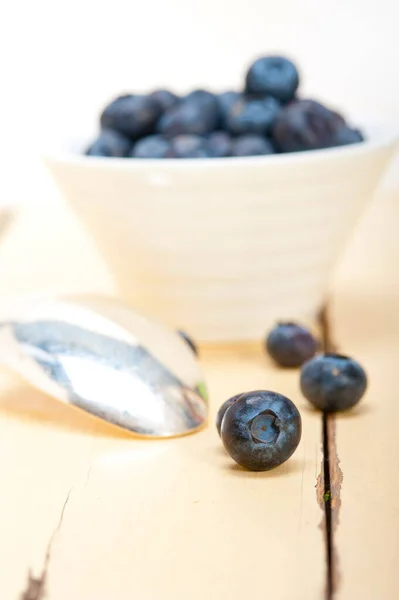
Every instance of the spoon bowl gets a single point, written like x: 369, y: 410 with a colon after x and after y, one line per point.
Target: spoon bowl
x: 108, y: 360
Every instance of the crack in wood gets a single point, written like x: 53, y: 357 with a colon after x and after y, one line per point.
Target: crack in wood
x: 327, y: 343
x: 327, y: 510
x: 336, y: 480
x: 36, y: 586
x: 330, y: 479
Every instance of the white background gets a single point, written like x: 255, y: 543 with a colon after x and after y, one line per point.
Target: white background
x: 62, y: 60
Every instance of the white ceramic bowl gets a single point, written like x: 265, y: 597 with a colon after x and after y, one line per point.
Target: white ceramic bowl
x: 225, y: 247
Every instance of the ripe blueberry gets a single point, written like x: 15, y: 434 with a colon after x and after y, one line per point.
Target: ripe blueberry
x: 189, y: 146
x: 252, y: 116
x: 132, y: 115
x: 226, y: 101
x: 333, y: 382
x: 109, y: 143
x: 152, y: 146
x: 273, y: 75
x: 290, y: 345
x: 206, y: 99
x: 345, y: 136
x: 219, y: 144
x: 261, y: 430
x: 197, y: 113
x: 306, y: 125
x: 222, y: 411
x: 164, y: 98
x: 251, y: 145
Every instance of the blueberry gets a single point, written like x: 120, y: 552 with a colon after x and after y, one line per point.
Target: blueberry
x: 153, y: 146
x: 345, y: 136
x: 220, y: 144
x: 198, y: 113
x: 188, y: 341
x: 251, y: 145
x: 273, y: 75
x: 109, y: 143
x: 306, y: 125
x: 261, y: 430
x: 226, y: 101
x: 164, y: 98
x: 333, y: 382
x: 222, y: 410
x: 189, y: 146
x: 132, y: 115
x: 290, y: 345
x: 206, y: 99
x: 252, y: 116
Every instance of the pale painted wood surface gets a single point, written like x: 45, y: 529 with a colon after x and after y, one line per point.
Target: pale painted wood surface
x: 175, y: 520
x: 366, y: 325
x: 120, y: 518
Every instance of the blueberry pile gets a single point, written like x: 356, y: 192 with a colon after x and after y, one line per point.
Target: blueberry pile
x: 266, y: 117
x: 262, y: 429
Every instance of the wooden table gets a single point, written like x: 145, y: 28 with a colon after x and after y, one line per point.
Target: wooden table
x: 87, y: 513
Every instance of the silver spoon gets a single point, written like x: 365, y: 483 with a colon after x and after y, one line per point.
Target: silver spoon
x: 108, y: 360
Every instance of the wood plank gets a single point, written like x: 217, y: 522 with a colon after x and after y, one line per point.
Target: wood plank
x: 366, y: 325
x: 122, y: 518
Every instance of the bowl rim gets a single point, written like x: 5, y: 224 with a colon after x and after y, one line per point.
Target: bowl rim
x: 377, y: 137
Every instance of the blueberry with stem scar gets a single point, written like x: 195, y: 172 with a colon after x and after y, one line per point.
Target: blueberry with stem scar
x: 273, y: 75
x: 261, y: 430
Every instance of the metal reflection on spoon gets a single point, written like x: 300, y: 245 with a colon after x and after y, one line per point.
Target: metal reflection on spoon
x: 109, y: 361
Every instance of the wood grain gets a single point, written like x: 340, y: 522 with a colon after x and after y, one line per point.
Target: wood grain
x: 91, y: 514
